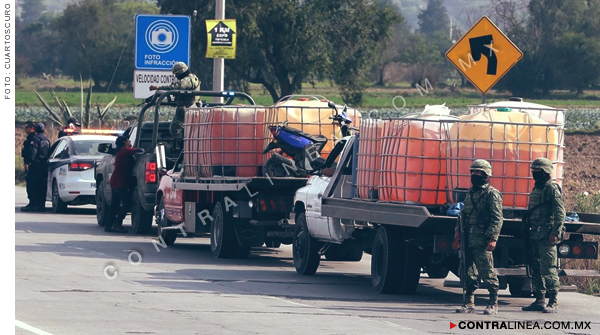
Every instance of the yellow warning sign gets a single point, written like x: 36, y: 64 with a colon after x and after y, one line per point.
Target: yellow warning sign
x: 221, y: 38
x: 484, y: 54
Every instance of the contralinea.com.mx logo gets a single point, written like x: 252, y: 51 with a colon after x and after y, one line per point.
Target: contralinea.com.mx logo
x: 512, y: 325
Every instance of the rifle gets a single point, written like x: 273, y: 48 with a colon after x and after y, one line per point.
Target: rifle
x: 462, y: 254
x: 525, y: 234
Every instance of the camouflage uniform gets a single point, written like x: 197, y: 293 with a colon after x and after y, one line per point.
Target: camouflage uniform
x: 187, y: 83
x: 546, y: 218
x: 478, y: 202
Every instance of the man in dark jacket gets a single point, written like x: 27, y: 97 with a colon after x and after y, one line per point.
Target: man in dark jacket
x: 71, y: 128
x: 26, y: 154
x: 37, y: 170
x: 121, y: 183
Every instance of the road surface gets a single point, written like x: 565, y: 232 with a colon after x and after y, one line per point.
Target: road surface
x: 64, y: 262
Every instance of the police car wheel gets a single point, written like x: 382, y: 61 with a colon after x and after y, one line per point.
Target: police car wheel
x: 58, y: 206
x: 102, y: 208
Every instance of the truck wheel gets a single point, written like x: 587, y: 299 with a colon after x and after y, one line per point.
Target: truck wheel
x: 102, y: 207
x: 168, y: 236
x: 223, y: 242
x: 305, y: 249
x: 58, y: 206
x: 385, y: 269
x: 141, y: 219
x: 395, y: 266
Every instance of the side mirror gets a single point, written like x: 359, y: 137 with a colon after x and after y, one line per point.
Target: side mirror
x: 330, y: 104
x: 327, y: 172
x: 104, y: 148
x: 162, y: 172
x: 161, y: 161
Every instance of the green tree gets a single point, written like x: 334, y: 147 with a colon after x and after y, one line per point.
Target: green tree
x: 97, y: 37
x: 434, y: 19
x: 578, y: 61
x: 32, y: 10
x: 423, y: 59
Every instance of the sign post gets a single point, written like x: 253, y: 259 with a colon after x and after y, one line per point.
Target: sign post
x: 161, y: 41
x: 484, y: 55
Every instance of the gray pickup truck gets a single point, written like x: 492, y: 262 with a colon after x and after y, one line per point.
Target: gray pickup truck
x: 144, y: 171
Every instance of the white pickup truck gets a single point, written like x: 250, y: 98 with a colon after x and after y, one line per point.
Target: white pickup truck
x: 404, y: 240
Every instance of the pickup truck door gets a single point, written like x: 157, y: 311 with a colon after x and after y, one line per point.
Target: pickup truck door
x: 317, y: 224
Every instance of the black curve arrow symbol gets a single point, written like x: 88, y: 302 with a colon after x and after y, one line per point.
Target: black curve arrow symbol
x: 482, y: 46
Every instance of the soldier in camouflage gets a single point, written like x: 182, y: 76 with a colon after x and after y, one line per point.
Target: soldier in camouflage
x: 482, y: 221
x: 546, y: 219
x: 186, y: 82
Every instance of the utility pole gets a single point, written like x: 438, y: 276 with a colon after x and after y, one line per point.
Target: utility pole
x: 219, y: 63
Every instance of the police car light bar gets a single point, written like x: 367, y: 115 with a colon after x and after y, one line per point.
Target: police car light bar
x: 101, y: 132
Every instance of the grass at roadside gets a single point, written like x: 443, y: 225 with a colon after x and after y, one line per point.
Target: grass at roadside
x: 374, y: 97
x: 19, y: 171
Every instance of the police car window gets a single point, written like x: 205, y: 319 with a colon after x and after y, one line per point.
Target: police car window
x: 88, y: 148
x: 60, y: 148
x: 133, y: 135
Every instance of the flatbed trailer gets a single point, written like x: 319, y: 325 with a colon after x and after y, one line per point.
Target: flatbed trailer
x: 406, y: 240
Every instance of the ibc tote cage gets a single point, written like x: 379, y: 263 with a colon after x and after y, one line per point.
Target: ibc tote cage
x: 216, y: 145
x: 457, y: 155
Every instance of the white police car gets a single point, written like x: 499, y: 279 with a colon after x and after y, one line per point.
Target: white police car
x: 71, y: 170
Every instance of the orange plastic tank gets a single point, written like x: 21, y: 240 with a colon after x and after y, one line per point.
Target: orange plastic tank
x: 413, y: 157
x: 510, y: 141
x: 224, y: 141
x: 369, y: 158
x: 311, y: 115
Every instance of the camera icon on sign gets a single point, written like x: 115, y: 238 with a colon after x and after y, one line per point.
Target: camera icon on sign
x: 162, y: 37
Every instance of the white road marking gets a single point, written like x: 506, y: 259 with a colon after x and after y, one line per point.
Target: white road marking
x: 27, y: 327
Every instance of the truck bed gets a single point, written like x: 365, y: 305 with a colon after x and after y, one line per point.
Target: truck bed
x: 421, y: 217
x: 253, y: 184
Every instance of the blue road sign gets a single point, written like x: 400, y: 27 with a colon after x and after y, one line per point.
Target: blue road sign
x: 161, y: 40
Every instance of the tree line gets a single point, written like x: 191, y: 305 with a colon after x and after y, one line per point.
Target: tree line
x: 285, y: 44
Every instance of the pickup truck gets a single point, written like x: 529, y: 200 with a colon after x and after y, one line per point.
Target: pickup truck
x: 405, y: 240
x: 145, y: 171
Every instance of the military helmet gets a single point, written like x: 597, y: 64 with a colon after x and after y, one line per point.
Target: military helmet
x: 179, y: 68
x: 542, y: 163
x: 483, y: 166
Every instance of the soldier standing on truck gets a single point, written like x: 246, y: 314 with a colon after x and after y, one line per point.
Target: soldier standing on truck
x: 545, y: 219
x: 187, y: 82
x: 481, y: 220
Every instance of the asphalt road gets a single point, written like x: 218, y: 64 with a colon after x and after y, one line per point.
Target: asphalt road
x: 62, y: 288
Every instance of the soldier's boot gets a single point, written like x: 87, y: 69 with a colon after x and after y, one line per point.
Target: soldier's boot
x: 552, y: 306
x: 468, y: 305
x: 492, y: 307
x: 538, y: 305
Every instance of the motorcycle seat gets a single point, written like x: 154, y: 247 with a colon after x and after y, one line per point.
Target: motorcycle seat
x: 317, y: 139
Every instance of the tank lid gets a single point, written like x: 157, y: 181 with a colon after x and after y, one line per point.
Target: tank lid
x: 436, y: 110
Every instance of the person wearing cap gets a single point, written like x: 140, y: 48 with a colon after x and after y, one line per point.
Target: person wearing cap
x: 70, y: 128
x: 546, y: 222
x: 37, y: 170
x: 481, y: 218
x: 121, y: 184
x: 187, y: 81
x: 26, y: 154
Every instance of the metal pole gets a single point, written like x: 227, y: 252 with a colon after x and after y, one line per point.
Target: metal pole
x: 483, y: 98
x: 219, y: 63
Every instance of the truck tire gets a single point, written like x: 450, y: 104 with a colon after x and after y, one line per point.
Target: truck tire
x: 223, y: 242
x: 141, y: 219
x: 385, y: 269
x: 168, y: 236
x: 58, y: 206
x: 102, y: 207
x: 305, y: 248
x: 395, y: 266
x: 338, y: 253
